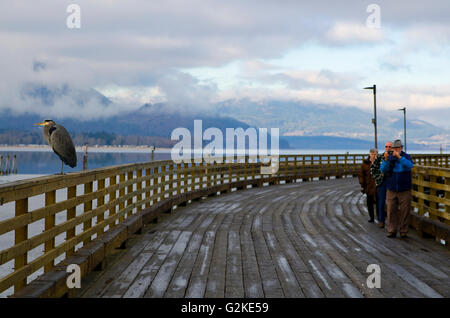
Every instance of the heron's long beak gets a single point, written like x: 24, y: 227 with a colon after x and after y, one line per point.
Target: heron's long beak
x: 41, y: 124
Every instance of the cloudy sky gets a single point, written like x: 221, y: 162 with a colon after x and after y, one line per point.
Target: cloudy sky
x: 195, y: 53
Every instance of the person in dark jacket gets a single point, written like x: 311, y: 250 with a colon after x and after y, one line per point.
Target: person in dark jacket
x: 380, y: 181
x: 367, y: 183
x: 397, y: 169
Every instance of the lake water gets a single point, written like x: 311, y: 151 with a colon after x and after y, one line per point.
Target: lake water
x: 47, y: 162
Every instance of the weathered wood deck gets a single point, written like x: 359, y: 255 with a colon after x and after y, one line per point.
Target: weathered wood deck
x: 308, y: 239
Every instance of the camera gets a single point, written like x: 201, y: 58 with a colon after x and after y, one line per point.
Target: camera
x: 390, y: 152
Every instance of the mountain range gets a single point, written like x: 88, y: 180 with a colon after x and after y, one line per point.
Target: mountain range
x: 302, y: 124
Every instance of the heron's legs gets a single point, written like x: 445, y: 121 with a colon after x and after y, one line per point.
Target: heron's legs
x: 62, y: 167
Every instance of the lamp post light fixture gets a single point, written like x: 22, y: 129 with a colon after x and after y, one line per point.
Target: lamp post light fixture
x: 404, y: 124
x: 374, y: 119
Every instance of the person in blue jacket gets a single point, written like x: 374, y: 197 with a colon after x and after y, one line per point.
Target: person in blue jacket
x: 397, y: 167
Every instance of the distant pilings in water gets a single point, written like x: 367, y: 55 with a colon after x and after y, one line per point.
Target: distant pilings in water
x: 8, y: 164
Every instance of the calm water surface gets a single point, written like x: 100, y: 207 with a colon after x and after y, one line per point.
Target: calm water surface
x: 47, y: 162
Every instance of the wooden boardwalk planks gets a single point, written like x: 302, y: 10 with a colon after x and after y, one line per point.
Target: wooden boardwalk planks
x: 308, y: 239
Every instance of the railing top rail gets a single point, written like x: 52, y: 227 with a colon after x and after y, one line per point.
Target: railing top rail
x: 431, y: 170
x: 11, y: 191
x: 30, y: 187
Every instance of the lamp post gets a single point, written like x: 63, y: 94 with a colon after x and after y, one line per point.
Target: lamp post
x: 374, y: 119
x: 404, y: 124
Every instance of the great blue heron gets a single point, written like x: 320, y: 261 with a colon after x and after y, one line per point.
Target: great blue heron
x: 59, y: 139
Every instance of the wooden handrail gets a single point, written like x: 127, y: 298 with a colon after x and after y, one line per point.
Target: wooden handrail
x: 431, y: 192
x: 111, y: 195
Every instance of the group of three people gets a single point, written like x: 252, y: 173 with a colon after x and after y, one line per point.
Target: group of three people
x: 386, y: 180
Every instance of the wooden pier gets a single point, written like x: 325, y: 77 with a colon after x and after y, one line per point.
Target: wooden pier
x: 293, y: 239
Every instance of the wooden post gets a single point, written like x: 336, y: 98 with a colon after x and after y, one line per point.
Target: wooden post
x: 139, y: 187
x: 147, y: 186
x: 162, y: 188
x: 71, y: 213
x: 112, y: 197
x: 420, y: 189
x: 100, y: 202
x: 337, y: 174
x: 204, y: 174
x: 447, y: 197
x: 14, y: 165
x: 433, y: 193
x: 294, y: 169
x: 121, y: 195
x: 302, y: 173
x: 7, y: 164
x: 171, y: 173
x: 20, y: 235
x: 328, y: 170
x: 230, y: 171
x: 180, y: 184
x: 246, y: 158
x: 286, y: 166
x: 253, y: 165
x: 130, y: 176
x: 354, y: 165
x: 50, y: 198
x: 154, y: 182
x: 87, y: 208
x: 321, y: 168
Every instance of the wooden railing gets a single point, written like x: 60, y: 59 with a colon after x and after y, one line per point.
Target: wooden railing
x: 442, y: 160
x: 70, y: 211
x: 431, y: 192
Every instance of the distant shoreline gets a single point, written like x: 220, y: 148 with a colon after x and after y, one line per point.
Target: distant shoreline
x: 142, y: 149
x: 146, y: 149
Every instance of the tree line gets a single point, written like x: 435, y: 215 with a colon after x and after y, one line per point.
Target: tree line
x: 102, y: 138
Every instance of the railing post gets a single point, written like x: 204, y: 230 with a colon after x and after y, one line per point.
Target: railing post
x: 230, y: 171
x: 163, y: 180
x: 50, y: 198
x: 194, y: 175
x: 303, y: 167
x: 433, y: 193
x: 147, y: 187
x: 447, y: 196
x: 87, y: 208
x: 204, y: 183
x: 321, y: 169
x: 181, y: 179
x: 100, y: 202
x: 420, y: 189
x: 328, y: 168
x: 138, y: 188
x: 345, y: 166
x: 112, y: 197
x: 71, y: 213
x: 295, y: 167
x: 253, y: 165
x: 121, y: 195
x: 286, y: 166
x: 246, y: 158
x: 130, y: 187
x: 20, y: 235
x: 154, y: 182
